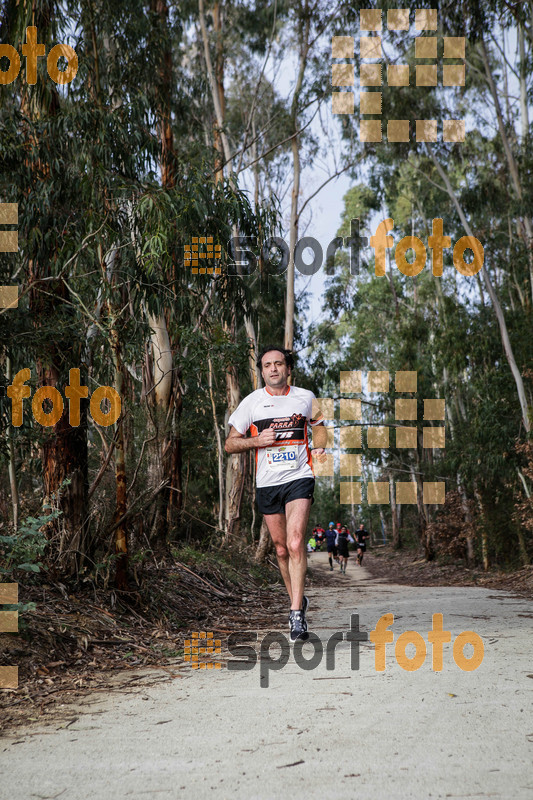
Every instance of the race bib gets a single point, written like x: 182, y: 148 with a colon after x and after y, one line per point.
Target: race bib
x: 281, y: 458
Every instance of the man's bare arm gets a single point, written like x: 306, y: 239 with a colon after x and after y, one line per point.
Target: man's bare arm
x: 320, y: 436
x: 238, y: 443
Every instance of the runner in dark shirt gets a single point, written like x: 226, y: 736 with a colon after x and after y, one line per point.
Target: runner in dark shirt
x: 361, y: 535
x: 320, y: 536
x: 342, y: 544
x: 331, y: 539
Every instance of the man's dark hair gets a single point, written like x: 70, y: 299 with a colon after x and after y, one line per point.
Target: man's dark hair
x: 289, y: 359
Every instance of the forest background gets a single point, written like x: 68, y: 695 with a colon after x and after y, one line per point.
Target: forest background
x: 199, y: 119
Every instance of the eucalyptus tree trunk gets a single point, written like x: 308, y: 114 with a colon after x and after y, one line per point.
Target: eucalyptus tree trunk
x: 164, y: 396
x: 524, y: 113
x: 396, y: 538
x: 109, y: 275
x: 504, y: 333
x: 303, y: 51
x: 64, y: 454
x: 525, y: 228
x: 11, y: 458
x: 265, y: 545
x: 236, y: 464
x: 158, y: 377
x: 470, y: 552
x: 422, y: 511
x: 220, y: 448
x: 384, y: 526
x: 484, y: 539
x: 524, y: 557
x: 121, y: 539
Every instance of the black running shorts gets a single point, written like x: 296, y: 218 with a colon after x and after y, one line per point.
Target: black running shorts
x: 272, y: 499
x: 343, y: 548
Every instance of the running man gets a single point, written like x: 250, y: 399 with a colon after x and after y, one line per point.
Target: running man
x: 361, y: 535
x: 342, y: 546
x: 277, y: 417
x: 331, y: 542
x: 320, y: 534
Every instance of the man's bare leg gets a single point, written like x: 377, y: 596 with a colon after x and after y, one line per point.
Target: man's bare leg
x: 288, y: 534
x: 297, y: 514
x: 276, y: 524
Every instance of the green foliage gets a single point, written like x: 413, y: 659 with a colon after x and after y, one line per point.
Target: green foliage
x: 25, y: 549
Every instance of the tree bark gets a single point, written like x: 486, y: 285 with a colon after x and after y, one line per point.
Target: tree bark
x: 525, y: 228
x: 265, y: 545
x: 220, y: 448
x: 484, y: 540
x: 521, y: 541
x: 384, y: 527
x: 121, y: 541
x: 303, y: 41
x: 504, y: 333
x: 11, y: 459
x: 396, y: 538
x: 422, y: 511
x: 235, y: 471
x: 236, y: 465
x: 165, y: 401
x: 470, y: 552
x: 64, y: 449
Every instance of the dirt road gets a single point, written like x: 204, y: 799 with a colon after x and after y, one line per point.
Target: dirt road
x: 319, y: 733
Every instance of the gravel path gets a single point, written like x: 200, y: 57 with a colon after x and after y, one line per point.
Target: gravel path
x: 319, y: 733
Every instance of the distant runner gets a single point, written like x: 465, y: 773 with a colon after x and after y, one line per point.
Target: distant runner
x: 320, y: 535
x: 342, y: 547
x: 277, y: 417
x: 361, y: 535
x: 331, y: 542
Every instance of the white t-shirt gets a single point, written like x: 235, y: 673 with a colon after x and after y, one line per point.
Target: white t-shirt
x: 289, y: 458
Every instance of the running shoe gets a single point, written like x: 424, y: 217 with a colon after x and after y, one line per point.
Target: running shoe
x: 305, y: 604
x: 297, y: 626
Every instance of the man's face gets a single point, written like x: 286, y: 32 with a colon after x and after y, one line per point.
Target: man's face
x: 361, y: 527
x: 274, y: 369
